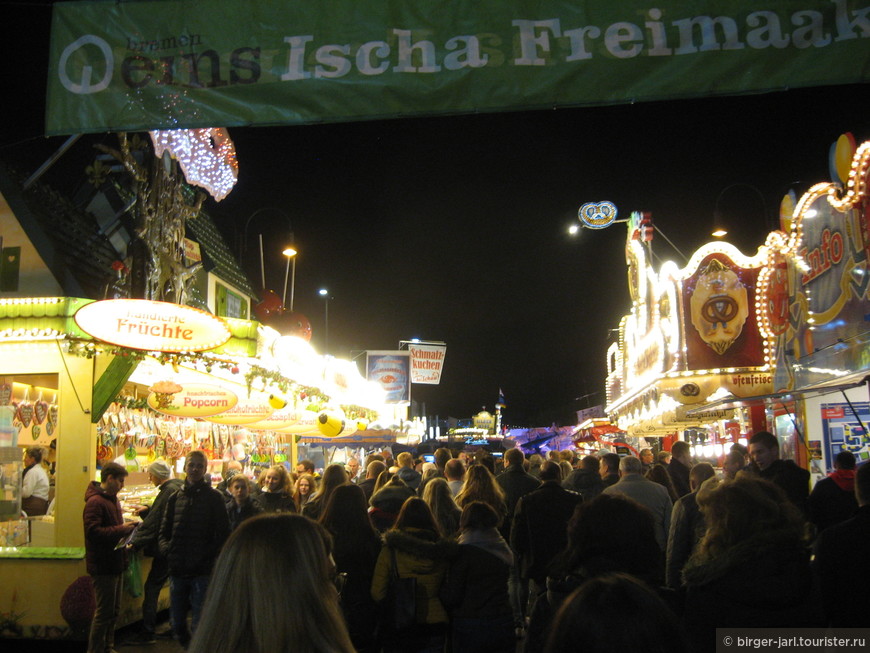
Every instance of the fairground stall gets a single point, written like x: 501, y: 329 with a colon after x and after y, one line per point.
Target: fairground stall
x: 133, y: 381
x: 731, y: 344
x: 816, y: 296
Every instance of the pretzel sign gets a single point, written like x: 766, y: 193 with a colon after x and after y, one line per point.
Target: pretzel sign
x: 597, y: 215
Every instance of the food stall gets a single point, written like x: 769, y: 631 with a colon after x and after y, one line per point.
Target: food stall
x: 134, y: 381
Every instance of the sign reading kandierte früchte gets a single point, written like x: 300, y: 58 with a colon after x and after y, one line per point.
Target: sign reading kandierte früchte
x: 181, y: 63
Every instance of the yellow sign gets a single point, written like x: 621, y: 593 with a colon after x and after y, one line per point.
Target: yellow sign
x: 248, y: 410
x: 152, y: 326
x: 194, y: 400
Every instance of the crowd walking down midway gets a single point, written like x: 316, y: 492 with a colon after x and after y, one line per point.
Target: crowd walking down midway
x: 463, y: 555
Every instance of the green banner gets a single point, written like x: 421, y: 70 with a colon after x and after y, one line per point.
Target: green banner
x: 221, y: 63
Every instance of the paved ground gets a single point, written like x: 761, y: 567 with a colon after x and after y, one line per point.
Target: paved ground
x: 50, y: 646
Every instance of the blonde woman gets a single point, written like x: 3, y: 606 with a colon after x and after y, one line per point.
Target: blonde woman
x: 276, y: 495
x: 252, y: 611
x: 438, y: 496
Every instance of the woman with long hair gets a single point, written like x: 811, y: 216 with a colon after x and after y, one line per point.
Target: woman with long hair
x: 752, y: 567
x: 383, y: 478
x: 333, y: 476
x: 437, y: 494
x: 476, y: 589
x: 276, y: 495
x: 480, y: 485
x: 387, y: 501
x: 306, y: 489
x: 356, y: 545
x: 250, y: 611
x: 414, y: 548
x: 658, y: 474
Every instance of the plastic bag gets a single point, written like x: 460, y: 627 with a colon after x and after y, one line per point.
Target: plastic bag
x: 133, y: 575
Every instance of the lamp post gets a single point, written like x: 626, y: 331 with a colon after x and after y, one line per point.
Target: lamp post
x: 243, y: 247
x: 323, y: 292
x: 290, y: 252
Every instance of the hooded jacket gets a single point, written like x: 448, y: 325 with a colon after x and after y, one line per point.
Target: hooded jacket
x: 420, y: 554
x: 104, y: 528
x: 833, y: 499
x: 149, y: 530
x: 194, y: 529
x: 477, y: 582
x: 762, y: 582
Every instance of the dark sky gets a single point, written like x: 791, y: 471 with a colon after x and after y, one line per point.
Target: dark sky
x: 455, y: 228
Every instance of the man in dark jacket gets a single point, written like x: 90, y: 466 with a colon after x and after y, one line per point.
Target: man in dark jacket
x: 145, y: 540
x: 833, y: 498
x: 192, y: 533
x: 764, y: 449
x: 845, y: 603
x: 681, y: 465
x: 406, y: 471
x: 586, y: 479
x: 516, y: 483
x: 609, y: 469
x: 104, y: 530
x: 539, y: 530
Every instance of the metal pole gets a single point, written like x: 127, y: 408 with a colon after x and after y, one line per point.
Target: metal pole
x: 286, y: 274
x: 293, y: 283
x: 326, y: 324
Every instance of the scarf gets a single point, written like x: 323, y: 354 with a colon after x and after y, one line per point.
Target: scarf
x: 489, y: 540
x: 844, y: 478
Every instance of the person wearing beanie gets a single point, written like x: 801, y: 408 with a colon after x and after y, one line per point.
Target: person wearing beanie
x: 145, y: 540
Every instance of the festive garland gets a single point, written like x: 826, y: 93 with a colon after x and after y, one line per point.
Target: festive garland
x: 130, y: 402
x: 255, y: 373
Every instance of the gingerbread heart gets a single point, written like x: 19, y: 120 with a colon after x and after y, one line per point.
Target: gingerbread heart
x: 52, y: 414
x: 5, y: 394
x: 40, y: 410
x: 25, y: 413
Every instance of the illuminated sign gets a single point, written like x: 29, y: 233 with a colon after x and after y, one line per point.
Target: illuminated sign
x: 194, y: 400
x: 597, y: 215
x: 248, y: 410
x: 152, y: 326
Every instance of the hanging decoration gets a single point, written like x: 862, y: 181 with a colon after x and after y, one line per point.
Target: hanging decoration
x: 207, y: 157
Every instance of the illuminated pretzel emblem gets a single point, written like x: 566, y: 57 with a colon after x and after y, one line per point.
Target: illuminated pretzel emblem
x: 597, y: 215
x: 719, y: 306
x: 719, y: 309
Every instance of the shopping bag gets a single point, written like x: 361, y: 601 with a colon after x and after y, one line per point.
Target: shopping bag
x: 133, y: 575
x: 399, y: 608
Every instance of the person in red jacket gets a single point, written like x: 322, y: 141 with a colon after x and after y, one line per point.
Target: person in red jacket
x: 104, y: 530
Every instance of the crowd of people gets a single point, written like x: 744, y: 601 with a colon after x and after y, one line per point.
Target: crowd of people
x: 645, y: 553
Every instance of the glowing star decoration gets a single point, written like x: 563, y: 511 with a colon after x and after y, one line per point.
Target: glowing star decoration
x: 206, y: 156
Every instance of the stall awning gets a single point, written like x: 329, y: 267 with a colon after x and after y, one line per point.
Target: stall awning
x: 826, y: 387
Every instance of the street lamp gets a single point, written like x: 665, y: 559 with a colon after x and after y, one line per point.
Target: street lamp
x: 290, y: 252
x: 243, y: 245
x: 323, y: 292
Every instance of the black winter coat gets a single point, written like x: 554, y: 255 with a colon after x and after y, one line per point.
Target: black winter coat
x: 794, y: 480
x: 194, y: 529
x: 763, y: 582
x: 276, y: 502
x: 146, y: 536
x: 539, y: 531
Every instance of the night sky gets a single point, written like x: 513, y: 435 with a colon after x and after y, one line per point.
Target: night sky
x: 455, y: 228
